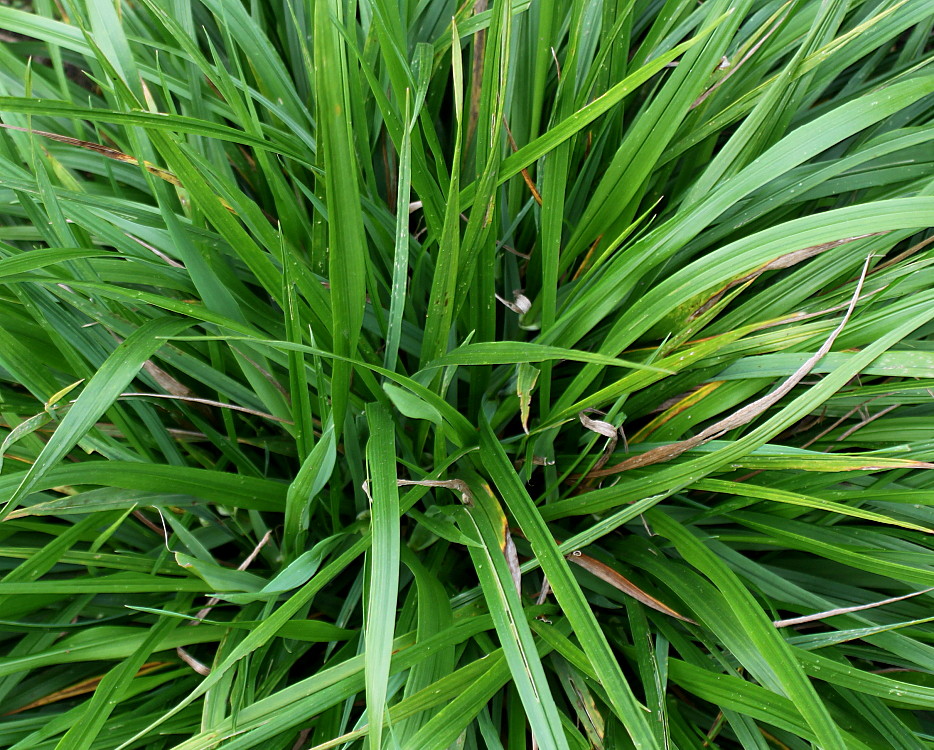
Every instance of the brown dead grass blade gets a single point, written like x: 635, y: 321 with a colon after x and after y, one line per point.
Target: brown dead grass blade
x: 527, y: 178
x: 675, y: 407
x: 783, y: 261
x: 110, y: 153
x: 605, y: 429
x: 618, y: 581
x: 479, y: 55
x: 742, y: 416
x: 206, y: 402
x: 844, y: 610
x: 82, y: 688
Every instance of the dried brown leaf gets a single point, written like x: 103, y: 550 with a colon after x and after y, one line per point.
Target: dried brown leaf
x: 618, y: 581
x: 457, y: 485
x: 527, y: 178
x: 82, y: 688
x: 110, y: 153
x: 479, y: 54
x: 207, y: 402
x: 783, y: 261
x: 166, y: 381
x: 742, y: 416
x: 520, y: 304
x: 844, y: 610
x: 597, y: 425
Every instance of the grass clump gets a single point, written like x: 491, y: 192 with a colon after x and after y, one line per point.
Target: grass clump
x: 423, y: 375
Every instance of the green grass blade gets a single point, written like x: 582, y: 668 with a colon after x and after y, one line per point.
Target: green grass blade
x: 384, y: 574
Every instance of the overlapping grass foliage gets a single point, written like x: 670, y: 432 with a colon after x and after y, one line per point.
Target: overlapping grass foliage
x: 318, y: 320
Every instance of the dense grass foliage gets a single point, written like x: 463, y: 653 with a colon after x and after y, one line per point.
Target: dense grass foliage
x: 419, y: 374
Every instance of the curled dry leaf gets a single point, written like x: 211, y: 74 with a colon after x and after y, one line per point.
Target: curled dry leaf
x: 520, y: 303
x: 597, y: 425
x: 742, y: 416
x: 601, y: 428
x: 456, y: 485
x: 544, y: 592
